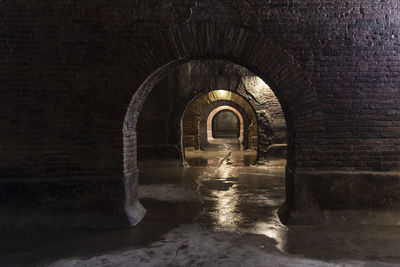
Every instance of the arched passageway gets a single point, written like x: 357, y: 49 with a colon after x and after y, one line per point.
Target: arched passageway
x: 219, y: 170
x: 197, y: 127
x: 225, y: 122
x: 263, y: 57
x: 93, y: 93
x: 218, y: 151
x: 197, y: 121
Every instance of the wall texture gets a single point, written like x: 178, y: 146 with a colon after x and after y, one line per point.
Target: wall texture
x: 160, y: 119
x: 195, y: 120
x: 68, y: 71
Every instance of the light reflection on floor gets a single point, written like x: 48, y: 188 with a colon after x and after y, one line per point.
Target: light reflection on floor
x: 227, y: 201
x: 227, y: 212
x: 245, y: 199
x: 220, y: 195
x: 238, y: 197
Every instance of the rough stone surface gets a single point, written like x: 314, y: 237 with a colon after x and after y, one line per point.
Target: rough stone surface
x: 250, y: 123
x: 160, y: 120
x: 272, y: 124
x: 194, y: 245
x: 68, y: 72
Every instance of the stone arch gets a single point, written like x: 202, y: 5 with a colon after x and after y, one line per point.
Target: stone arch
x: 211, y: 122
x: 216, y: 111
x: 136, y: 66
x: 205, y: 120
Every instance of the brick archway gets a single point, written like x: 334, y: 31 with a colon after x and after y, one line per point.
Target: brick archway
x: 203, y: 39
x: 216, y: 111
x: 214, y: 114
x: 206, y: 117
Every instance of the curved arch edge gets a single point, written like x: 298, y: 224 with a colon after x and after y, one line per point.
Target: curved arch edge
x: 236, y: 44
x: 134, y: 210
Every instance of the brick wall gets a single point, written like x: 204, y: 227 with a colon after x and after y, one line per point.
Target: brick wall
x: 62, y: 109
x: 349, y: 49
x: 52, y: 54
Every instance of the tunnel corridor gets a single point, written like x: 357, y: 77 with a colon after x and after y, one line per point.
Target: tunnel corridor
x: 212, y: 161
x: 225, y: 124
x: 200, y: 133
x: 221, y: 131
x: 240, y: 183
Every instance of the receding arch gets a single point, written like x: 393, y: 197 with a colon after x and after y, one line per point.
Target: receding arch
x: 216, y: 111
x: 196, y: 119
x: 226, y: 124
x: 206, y: 39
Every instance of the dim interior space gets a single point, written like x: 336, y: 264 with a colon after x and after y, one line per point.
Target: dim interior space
x: 200, y: 133
x: 218, y: 130
x: 212, y: 158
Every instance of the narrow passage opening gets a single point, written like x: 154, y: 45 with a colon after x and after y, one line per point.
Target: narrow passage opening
x: 225, y: 125
x: 211, y: 150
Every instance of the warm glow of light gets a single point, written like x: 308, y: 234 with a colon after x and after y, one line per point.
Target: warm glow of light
x: 214, y: 112
x: 223, y: 93
x: 260, y: 83
x: 228, y: 215
x: 224, y: 171
x: 274, y: 230
x: 216, y: 95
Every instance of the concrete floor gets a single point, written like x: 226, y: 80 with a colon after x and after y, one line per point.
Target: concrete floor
x: 220, y: 213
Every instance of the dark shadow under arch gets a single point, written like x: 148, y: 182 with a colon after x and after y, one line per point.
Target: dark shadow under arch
x: 233, y: 130
x: 213, y: 40
x: 212, y: 106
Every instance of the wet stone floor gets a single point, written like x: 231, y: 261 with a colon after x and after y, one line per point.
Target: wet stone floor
x: 220, y: 211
